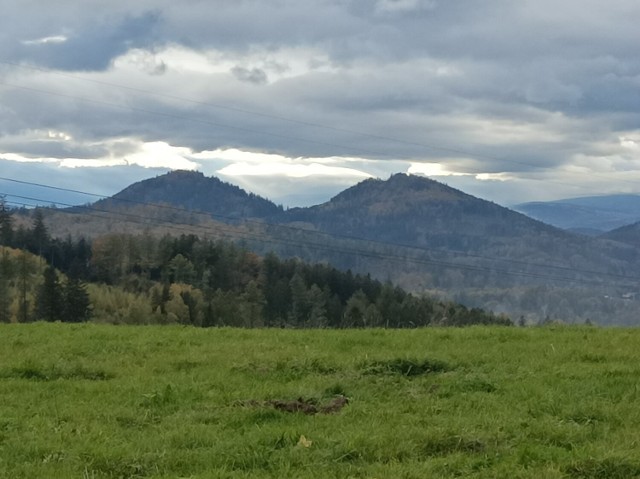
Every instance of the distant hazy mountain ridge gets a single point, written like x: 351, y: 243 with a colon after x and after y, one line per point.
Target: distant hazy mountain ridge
x: 595, y: 213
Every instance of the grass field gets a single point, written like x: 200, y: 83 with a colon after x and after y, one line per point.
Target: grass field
x: 95, y: 401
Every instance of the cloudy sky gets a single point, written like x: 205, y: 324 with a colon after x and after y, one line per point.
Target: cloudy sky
x: 295, y: 100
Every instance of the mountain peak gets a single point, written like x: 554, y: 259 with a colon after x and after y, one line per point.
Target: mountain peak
x: 401, y: 189
x: 194, y: 191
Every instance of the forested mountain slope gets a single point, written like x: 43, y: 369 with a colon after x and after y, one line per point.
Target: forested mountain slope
x: 421, y: 234
x: 144, y: 279
x: 629, y: 234
x: 419, y: 212
x: 195, y: 192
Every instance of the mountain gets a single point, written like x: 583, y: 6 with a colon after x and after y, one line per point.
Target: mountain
x: 416, y: 232
x: 419, y: 212
x: 589, y: 215
x: 426, y: 235
x: 628, y: 234
x: 192, y: 191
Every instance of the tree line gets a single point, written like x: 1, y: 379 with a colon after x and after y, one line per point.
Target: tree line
x: 197, y: 281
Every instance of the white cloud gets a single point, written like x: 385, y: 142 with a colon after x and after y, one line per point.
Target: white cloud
x: 159, y: 154
x: 291, y: 170
x: 631, y: 143
x: 25, y: 159
x: 174, y: 57
x: 275, y: 63
x: 393, y: 6
x: 431, y: 169
x: 494, y: 177
x: 248, y: 163
x: 156, y: 154
x: 46, y: 40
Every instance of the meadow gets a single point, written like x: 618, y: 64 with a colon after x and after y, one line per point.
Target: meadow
x: 102, y: 401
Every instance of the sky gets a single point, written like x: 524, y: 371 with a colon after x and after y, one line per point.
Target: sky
x: 296, y: 100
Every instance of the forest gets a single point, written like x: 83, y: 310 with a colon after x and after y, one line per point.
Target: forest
x: 149, y: 279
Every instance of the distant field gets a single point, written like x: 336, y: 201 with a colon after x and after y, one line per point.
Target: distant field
x: 95, y: 401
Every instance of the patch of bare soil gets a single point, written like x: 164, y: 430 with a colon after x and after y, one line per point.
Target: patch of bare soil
x: 304, y: 405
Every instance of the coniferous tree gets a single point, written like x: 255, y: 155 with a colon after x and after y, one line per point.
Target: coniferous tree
x: 355, y: 310
x: 49, y: 299
x: 252, y: 305
x: 5, y: 298
x: 39, y: 234
x: 77, y: 305
x: 318, y: 303
x: 5, y: 301
x: 300, y: 307
x: 6, y: 224
x: 24, y: 280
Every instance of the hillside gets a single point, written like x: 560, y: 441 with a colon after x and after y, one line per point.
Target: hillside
x: 421, y: 234
x: 426, y: 235
x: 194, y: 192
x: 119, y: 278
x: 591, y: 215
x: 419, y: 212
x: 629, y: 234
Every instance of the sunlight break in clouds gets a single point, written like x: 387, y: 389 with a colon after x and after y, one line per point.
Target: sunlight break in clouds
x: 290, y: 170
x: 156, y: 154
x: 275, y: 64
x: 431, y: 169
x: 245, y: 163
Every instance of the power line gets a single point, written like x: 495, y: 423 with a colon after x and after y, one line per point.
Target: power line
x: 528, y: 264
x: 261, y: 223
x: 260, y: 237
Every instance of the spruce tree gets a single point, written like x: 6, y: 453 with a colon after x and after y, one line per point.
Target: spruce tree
x: 300, y: 307
x: 252, y: 305
x: 5, y: 298
x: 49, y: 299
x: 318, y: 302
x: 6, y: 224
x: 39, y: 238
x: 77, y: 305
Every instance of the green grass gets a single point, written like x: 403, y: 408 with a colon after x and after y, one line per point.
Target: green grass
x: 96, y: 401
